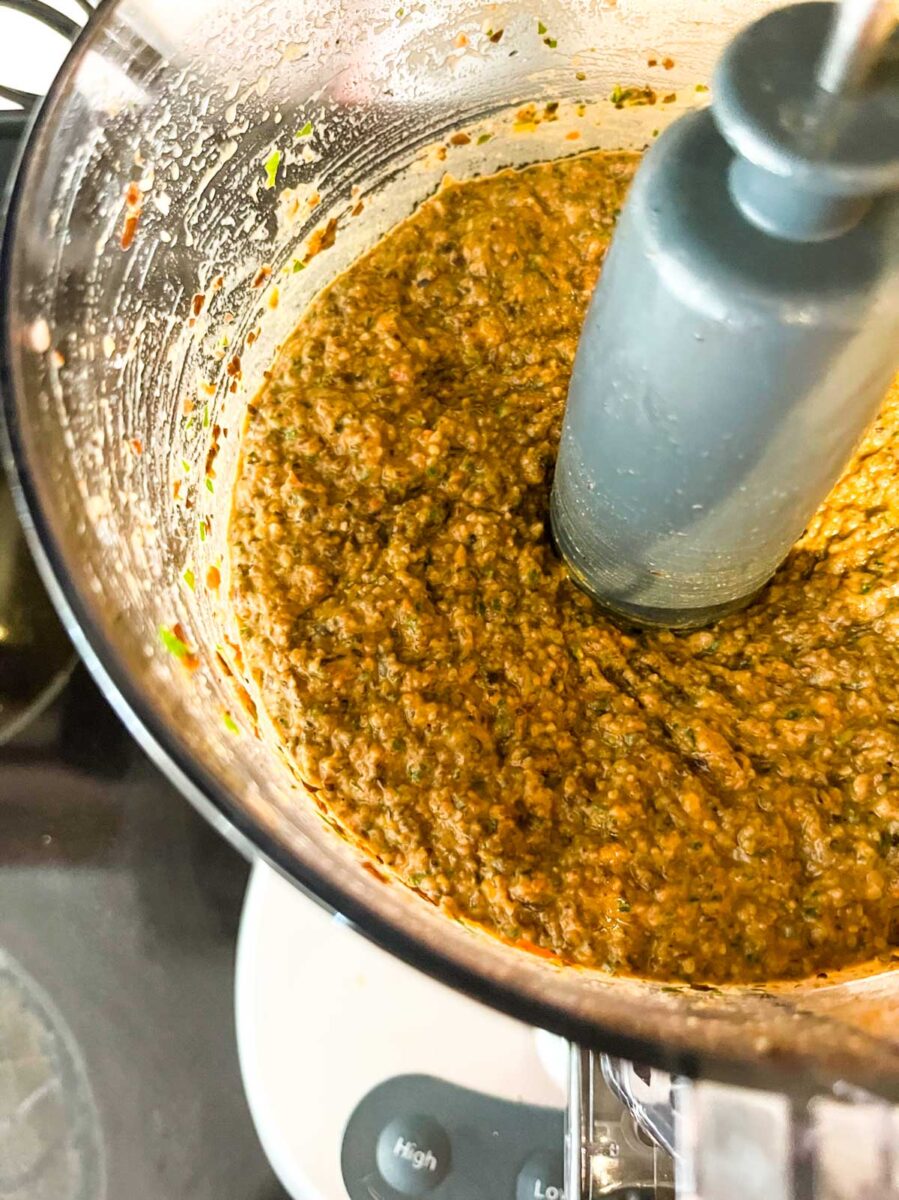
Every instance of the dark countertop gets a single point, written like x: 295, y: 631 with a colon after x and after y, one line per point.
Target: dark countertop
x: 122, y: 908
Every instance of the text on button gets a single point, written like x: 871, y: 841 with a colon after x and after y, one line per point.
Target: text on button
x: 420, y: 1159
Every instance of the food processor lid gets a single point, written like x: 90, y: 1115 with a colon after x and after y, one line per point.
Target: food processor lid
x: 68, y: 288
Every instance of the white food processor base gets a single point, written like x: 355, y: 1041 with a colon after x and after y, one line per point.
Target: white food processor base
x: 367, y: 1080
x: 324, y: 1018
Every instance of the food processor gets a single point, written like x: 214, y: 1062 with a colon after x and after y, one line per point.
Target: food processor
x: 747, y: 308
x: 197, y: 173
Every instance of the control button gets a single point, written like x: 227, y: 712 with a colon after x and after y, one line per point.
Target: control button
x: 413, y: 1154
x: 542, y: 1177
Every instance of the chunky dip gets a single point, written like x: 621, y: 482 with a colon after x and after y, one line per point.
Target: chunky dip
x: 714, y: 806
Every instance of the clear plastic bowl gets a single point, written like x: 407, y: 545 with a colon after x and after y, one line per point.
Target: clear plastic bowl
x: 170, y: 111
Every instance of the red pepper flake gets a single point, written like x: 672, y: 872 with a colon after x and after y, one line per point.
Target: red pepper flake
x: 261, y: 275
x: 213, y: 450
x: 652, y: 62
x: 572, y: 136
x: 495, y: 36
x: 218, y: 282
x: 187, y: 406
x: 314, y: 200
x: 252, y: 336
x: 533, y: 948
x: 179, y: 647
x: 246, y: 702
x: 460, y: 139
x: 136, y: 445
x: 461, y: 41
x: 233, y: 366
x: 197, y: 303
x: 357, y: 211
x: 667, y: 63
x: 129, y: 231
x: 236, y: 653
x: 322, y: 239
x: 132, y: 214
x: 670, y: 98
x: 176, y: 489
x: 213, y: 578
x: 441, y: 153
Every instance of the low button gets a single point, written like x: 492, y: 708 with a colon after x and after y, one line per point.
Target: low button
x: 541, y: 1177
x: 413, y: 1154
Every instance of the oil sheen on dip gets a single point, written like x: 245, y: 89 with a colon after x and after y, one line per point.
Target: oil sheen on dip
x: 713, y: 806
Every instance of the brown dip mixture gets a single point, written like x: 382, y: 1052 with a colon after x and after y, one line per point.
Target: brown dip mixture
x: 717, y: 806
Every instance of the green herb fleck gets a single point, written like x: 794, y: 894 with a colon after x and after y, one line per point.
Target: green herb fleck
x: 792, y: 714
x: 209, y: 487
x: 202, y: 530
x: 298, y: 265
x: 484, y: 137
x: 205, y: 416
x: 551, y: 42
x: 541, y: 28
x: 189, y: 425
x: 306, y: 131
x: 185, y: 466
x: 495, y: 36
x: 189, y: 578
x: 623, y: 905
x: 271, y: 168
x: 702, y: 87
x: 229, y: 723
x: 620, y: 96
x: 172, y: 642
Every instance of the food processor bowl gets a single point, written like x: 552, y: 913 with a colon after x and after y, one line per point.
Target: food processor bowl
x: 198, y: 172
